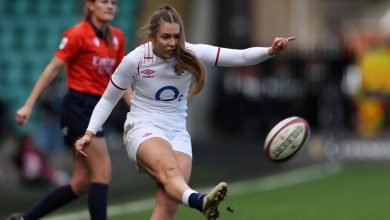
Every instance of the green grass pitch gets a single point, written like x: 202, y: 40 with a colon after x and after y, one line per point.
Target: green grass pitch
x: 355, y: 192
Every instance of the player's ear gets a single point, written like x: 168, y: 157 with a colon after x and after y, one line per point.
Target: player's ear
x: 150, y: 36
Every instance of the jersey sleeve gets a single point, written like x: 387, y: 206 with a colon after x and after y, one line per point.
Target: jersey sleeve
x: 226, y: 57
x: 245, y: 57
x: 125, y: 72
x: 120, y: 81
x: 206, y: 53
x: 104, y: 107
x: 69, y: 46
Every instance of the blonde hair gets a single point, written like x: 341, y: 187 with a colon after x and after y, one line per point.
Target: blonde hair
x: 185, y: 59
x: 87, y: 12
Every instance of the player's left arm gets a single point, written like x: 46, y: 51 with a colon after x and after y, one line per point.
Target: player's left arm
x: 251, y: 56
x: 226, y: 57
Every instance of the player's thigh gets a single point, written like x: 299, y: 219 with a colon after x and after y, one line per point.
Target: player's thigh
x: 156, y: 156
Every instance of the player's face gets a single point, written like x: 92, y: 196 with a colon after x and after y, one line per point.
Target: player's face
x: 104, y: 10
x: 166, y: 39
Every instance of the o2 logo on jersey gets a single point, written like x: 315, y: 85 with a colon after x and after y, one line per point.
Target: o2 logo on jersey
x: 168, y: 90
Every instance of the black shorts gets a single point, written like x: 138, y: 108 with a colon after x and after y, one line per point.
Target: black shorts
x: 76, y: 111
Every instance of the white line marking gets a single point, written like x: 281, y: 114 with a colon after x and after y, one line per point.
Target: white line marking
x: 285, y: 179
x: 276, y: 181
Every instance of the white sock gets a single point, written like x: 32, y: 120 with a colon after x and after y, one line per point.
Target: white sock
x: 186, y: 196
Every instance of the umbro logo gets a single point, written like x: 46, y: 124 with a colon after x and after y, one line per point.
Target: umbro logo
x: 147, y: 73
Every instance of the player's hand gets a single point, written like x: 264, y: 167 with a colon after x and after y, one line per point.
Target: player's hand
x: 82, y: 144
x: 23, y: 115
x: 279, y: 44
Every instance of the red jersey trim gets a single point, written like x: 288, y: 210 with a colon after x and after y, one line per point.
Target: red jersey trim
x: 116, y: 86
x: 216, y: 60
x: 150, y: 54
x: 139, y: 63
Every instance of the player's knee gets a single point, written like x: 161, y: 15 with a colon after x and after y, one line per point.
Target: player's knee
x: 102, y: 175
x: 80, y: 186
x: 169, y: 174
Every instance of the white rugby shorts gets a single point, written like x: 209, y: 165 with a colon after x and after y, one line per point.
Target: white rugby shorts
x: 135, y: 133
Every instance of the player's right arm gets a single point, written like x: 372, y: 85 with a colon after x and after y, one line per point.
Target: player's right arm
x: 48, y: 75
x: 119, y: 84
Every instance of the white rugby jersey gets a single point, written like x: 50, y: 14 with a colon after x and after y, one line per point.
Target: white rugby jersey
x: 159, y: 90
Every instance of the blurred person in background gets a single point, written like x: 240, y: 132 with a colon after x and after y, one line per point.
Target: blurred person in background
x: 372, y: 100
x: 90, y: 50
x: 165, y: 72
x: 34, y: 170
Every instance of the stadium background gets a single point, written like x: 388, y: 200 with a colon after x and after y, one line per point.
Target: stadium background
x: 336, y: 75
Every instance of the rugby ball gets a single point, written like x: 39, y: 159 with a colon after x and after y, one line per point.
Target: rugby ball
x: 286, y: 138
